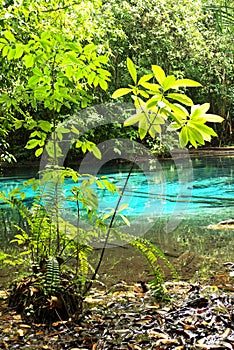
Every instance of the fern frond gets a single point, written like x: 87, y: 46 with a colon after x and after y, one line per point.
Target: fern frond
x: 52, y: 275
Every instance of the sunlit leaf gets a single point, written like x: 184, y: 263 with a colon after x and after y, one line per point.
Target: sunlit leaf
x: 185, y: 83
x: 213, y: 118
x: 96, y: 152
x: 132, y: 69
x: 144, y: 79
x: 159, y: 74
x: 183, y: 136
x: 133, y: 119
x: 9, y: 36
x: 121, y: 92
x: 181, y: 98
x: 125, y: 220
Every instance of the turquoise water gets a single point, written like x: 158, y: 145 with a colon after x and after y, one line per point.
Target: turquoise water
x: 205, y: 189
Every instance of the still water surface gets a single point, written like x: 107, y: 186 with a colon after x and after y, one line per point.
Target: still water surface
x: 206, y: 191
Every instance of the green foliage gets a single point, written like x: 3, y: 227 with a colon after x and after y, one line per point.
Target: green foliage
x: 50, y: 64
x: 156, y: 104
x: 183, y: 39
x: 52, y: 275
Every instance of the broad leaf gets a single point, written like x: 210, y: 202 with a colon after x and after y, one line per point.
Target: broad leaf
x: 213, y: 118
x: 204, y: 130
x: 169, y: 82
x: 9, y: 36
x: 45, y: 125
x: 28, y: 60
x: 159, y: 74
x: 32, y: 143
x: 195, y: 135
x: 121, y: 92
x: 134, y: 119
x: 39, y: 151
x: 96, y: 152
x: 144, y: 79
x: 19, y: 50
x: 143, y: 127
x: 33, y: 80
x: 199, y: 110
x: 125, y: 220
x: 132, y: 69
x: 154, y: 88
x: 155, y: 129
x: 183, y: 136
x: 185, y: 83
x: 181, y: 98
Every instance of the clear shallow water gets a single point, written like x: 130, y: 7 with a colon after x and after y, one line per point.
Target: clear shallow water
x: 206, y: 191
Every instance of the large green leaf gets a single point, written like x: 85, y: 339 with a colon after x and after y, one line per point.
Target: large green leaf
x: 159, y: 74
x: 213, y: 118
x: 169, y: 82
x: 134, y: 119
x: 121, y: 92
x: 32, y: 143
x: 19, y: 50
x: 199, y: 110
x: 45, y: 125
x: 145, y: 79
x: 9, y: 35
x: 183, y: 136
x: 185, y: 83
x: 181, y: 98
x: 195, y: 136
x: 204, y: 130
x: 132, y: 69
x: 153, y: 87
x: 143, y: 127
x: 96, y: 152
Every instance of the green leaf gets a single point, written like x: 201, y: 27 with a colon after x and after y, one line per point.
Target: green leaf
x: 144, y: 79
x: 121, y: 92
x: 143, y: 127
x: 154, y: 129
x: 195, y: 136
x: 185, y: 83
x: 45, y: 125
x: 152, y: 102
x: 180, y: 112
x: 33, y: 80
x: 132, y: 69
x: 143, y: 93
x: 183, y: 136
x: 96, y: 152
x: 199, y: 110
x: 5, y: 51
x: 159, y: 74
x: 154, y: 88
x: 123, y: 207
x: 169, y: 82
x: 39, y: 151
x: 213, y: 118
x: 9, y: 36
x: 125, y: 220
x: 28, y: 60
x: 206, y: 133
x: 32, y: 143
x: 181, y: 98
x: 38, y: 72
x: 11, y: 54
x: 133, y: 119
x: 19, y: 50
x: 103, y: 84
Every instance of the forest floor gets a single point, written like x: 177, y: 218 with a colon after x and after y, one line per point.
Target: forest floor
x: 199, y: 314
